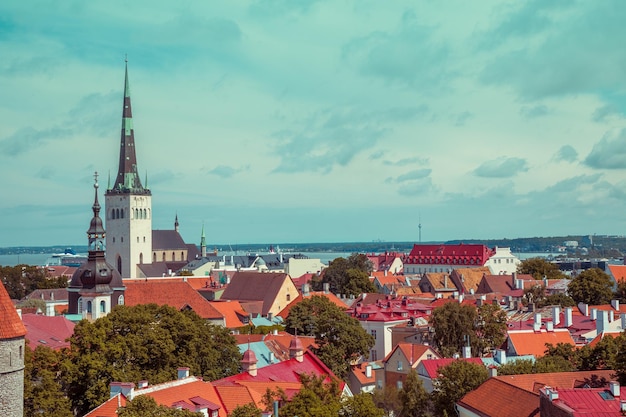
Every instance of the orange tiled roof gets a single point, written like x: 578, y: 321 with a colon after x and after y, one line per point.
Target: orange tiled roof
x: 170, y: 395
x: 618, y: 272
x: 232, y: 312
x: 529, y: 342
x: 413, y: 351
x: 109, y: 407
x: 534, y: 382
x: 235, y: 395
x: 177, y: 294
x: 497, y: 398
x: 359, y: 372
x: 11, y: 325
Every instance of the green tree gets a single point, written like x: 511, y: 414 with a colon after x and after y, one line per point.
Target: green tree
x: 21, y: 280
x: 517, y: 367
x: 340, y: 338
x: 568, y: 352
x: 558, y: 299
x: 360, y: 405
x: 620, y: 358
x: 620, y: 292
x: 592, y: 286
x: 491, y: 327
x: 454, y: 323
x: 247, y: 410
x: 144, y: 342
x: 454, y: 381
x: 145, y: 406
x: 43, y: 393
x: 387, y: 399
x: 535, y: 294
x: 316, y: 398
x: 414, y: 398
x: 347, y: 276
x: 539, y: 268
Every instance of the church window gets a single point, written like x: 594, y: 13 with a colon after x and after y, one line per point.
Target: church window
x: 140, y: 255
x: 122, y: 213
x: 182, y: 256
x: 145, y: 214
x: 120, y: 300
x: 137, y: 239
x: 163, y: 257
x: 21, y: 351
x: 103, y: 307
x: 80, y: 305
x: 119, y: 264
x: 88, y: 307
x: 117, y: 213
x: 174, y: 256
x: 144, y: 239
x: 154, y: 257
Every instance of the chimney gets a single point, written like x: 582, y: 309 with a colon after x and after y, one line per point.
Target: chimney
x: 272, y: 358
x: 623, y: 317
x: 549, y: 326
x: 556, y: 315
x: 584, y: 309
x: 514, y: 280
x: 368, y: 371
x: 305, y: 290
x: 536, y: 326
x: 568, y: 316
x: 615, y: 304
x: 461, y: 298
x: 602, y: 322
x: 519, y: 284
x: 500, y: 356
x: 552, y: 393
x: 538, y: 318
x: 615, y: 389
x: 594, y: 314
x: 611, y: 316
x: 142, y: 384
x: 326, y: 288
x: 124, y: 388
x: 467, y: 352
x: 183, y: 373
x: 493, y: 371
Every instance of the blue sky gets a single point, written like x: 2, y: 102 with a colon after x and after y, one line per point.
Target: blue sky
x: 311, y: 121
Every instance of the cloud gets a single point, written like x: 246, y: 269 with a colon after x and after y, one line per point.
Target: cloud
x: 279, y: 8
x: 501, y: 168
x: 28, y: 138
x: 566, y: 153
x: 334, y: 137
x: 422, y: 186
x: 603, y: 113
x: 531, y: 112
x: 550, y: 49
x: 409, y: 54
x: 608, y: 153
x: 417, y: 174
x: 224, y: 171
x: 406, y: 161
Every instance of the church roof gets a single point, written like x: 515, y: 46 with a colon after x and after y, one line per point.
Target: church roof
x: 167, y: 240
x: 11, y: 325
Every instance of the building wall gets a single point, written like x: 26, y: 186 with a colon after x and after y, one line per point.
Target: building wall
x: 298, y: 267
x: 12, y: 377
x: 130, y: 237
x: 285, y: 296
x: 503, y: 262
x: 382, y: 342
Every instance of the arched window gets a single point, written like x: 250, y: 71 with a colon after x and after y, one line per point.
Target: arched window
x: 80, y: 305
x: 112, y: 213
x: 140, y: 255
x: 182, y: 256
x: 117, y: 213
x: 154, y: 257
x: 145, y: 214
x: 88, y: 307
x: 21, y: 351
x: 288, y: 297
x: 136, y: 213
x: 122, y: 213
x: 144, y: 239
x: 120, y: 300
x: 174, y: 256
x: 119, y: 264
x: 103, y: 307
x: 163, y: 256
x: 137, y: 239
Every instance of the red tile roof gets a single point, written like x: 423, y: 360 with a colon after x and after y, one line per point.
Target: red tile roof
x: 461, y: 254
x: 533, y: 382
x: 47, y: 331
x: 497, y: 398
x: 232, y: 312
x: 177, y: 294
x: 10, y: 324
x: 109, y: 407
x: 431, y: 366
x: 529, y: 342
x: 189, y: 393
x: 587, y: 402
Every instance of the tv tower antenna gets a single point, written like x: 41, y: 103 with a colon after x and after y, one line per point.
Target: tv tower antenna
x: 419, y: 226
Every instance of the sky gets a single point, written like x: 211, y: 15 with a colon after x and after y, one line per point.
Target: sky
x: 275, y: 121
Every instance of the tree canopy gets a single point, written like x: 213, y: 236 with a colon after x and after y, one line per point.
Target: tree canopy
x: 592, y: 286
x: 414, y: 399
x: 347, y: 276
x: 21, y: 280
x: 540, y: 268
x: 339, y: 337
x: 145, y: 406
x: 144, y: 342
x: 454, y: 381
x: 43, y: 392
x: 454, y: 326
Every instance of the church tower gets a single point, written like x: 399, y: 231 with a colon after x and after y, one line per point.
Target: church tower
x: 96, y: 286
x: 128, y: 205
x: 12, y: 332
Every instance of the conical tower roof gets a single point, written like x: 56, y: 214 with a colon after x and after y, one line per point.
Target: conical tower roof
x: 11, y: 325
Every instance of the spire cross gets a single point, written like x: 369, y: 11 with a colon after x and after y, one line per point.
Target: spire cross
x: 95, y: 177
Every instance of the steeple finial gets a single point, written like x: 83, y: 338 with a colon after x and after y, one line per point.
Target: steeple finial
x: 96, y: 234
x: 176, y: 222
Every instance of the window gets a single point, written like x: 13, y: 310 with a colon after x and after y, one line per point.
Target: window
x: 119, y: 264
x: 399, y: 385
x: 137, y: 239
x: 400, y: 365
x: 174, y: 256
x: 154, y: 257
x: 373, y: 355
x: 373, y: 333
x: 88, y: 307
x: 122, y: 213
x: 288, y: 297
x: 140, y: 256
x: 103, y: 307
x: 163, y: 256
x: 120, y: 300
x: 80, y: 305
x: 144, y: 239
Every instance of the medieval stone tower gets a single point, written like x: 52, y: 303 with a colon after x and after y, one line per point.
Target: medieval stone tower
x: 12, y: 332
x: 128, y: 205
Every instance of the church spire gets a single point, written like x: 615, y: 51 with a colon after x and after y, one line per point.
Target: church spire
x: 203, y: 243
x: 127, y: 180
x: 96, y: 233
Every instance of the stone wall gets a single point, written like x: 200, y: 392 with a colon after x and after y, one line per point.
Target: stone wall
x: 12, y: 377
